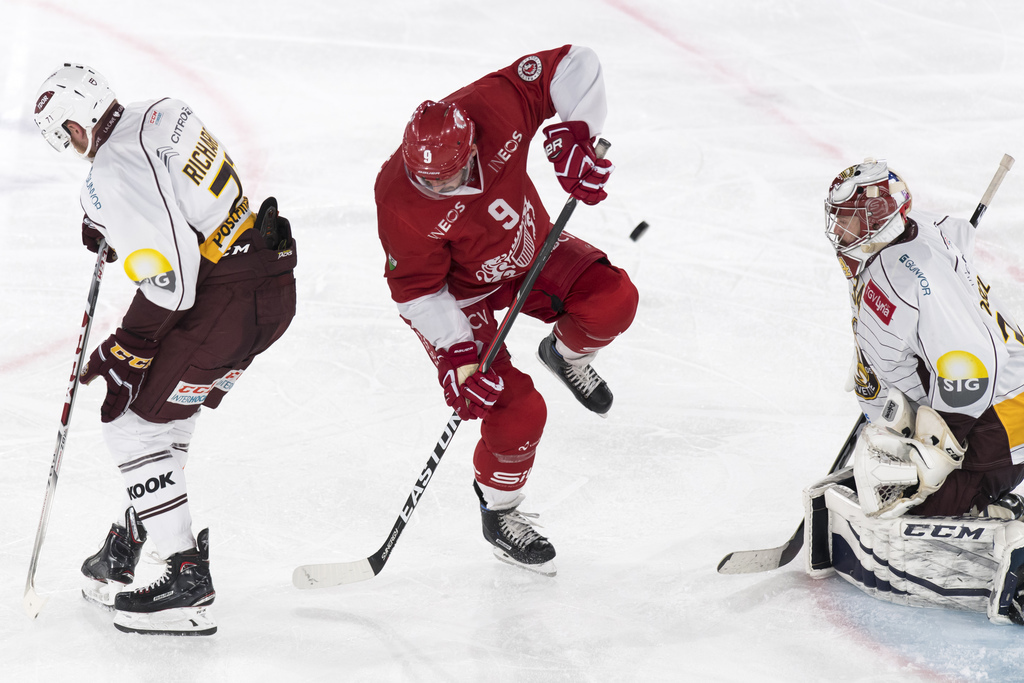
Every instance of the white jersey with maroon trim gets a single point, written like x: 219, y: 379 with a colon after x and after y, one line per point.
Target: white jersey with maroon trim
x: 165, y: 194
x: 928, y: 325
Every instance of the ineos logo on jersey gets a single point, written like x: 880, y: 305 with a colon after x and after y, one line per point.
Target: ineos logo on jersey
x: 505, y: 153
x: 445, y: 224
x: 962, y: 380
x: 151, y: 485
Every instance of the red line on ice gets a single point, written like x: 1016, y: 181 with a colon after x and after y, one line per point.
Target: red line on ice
x: 729, y: 75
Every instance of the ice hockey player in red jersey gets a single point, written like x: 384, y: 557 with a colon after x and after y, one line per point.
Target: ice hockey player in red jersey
x: 926, y: 515
x: 215, y: 289
x: 460, y: 221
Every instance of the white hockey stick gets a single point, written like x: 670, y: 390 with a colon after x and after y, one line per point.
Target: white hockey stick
x: 1004, y: 165
x: 33, y: 601
x: 751, y: 561
x: 336, y: 573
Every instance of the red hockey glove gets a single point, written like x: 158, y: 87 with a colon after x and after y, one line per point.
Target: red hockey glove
x: 122, y: 360
x: 577, y: 167
x: 470, y: 393
x: 91, y: 239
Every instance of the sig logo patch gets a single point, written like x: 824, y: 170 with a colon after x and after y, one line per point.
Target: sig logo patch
x: 963, y: 379
x: 150, y: 265
x: 878, y: 303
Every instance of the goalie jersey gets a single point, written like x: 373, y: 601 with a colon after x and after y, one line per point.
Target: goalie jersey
x: 927, y: 324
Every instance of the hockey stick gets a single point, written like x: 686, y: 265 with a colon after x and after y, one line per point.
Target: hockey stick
x: 750, y: 561
x: 33, y: 601
x: 336, y: 573
x: 1004, y: 165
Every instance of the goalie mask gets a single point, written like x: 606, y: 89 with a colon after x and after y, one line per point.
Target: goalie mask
x: 865, y: 210
x: 72, y: 93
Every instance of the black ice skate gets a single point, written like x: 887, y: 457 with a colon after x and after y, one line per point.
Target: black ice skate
x: 584, y: 383
x: 113, y: 567
x: 176, y: 603
x: 515, y: 540
x: 1010, y: 506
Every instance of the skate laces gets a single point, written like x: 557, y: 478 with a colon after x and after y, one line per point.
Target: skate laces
x: 582, y: 377
x: 164, y: 578
x: 518, y: 528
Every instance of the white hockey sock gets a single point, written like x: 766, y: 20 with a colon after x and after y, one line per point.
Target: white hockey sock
x: 496, y: 499
x: 151, y: 458
x: 573, y: 357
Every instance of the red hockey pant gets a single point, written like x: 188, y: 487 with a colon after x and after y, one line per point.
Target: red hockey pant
x: 590, y: 302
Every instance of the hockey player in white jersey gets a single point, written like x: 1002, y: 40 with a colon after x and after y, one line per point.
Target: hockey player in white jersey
x: 215, y: 289
x: 926, y: 515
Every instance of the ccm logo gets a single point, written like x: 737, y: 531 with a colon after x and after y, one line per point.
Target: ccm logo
x: 943, y: 531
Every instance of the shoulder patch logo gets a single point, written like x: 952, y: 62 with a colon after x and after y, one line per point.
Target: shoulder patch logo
x: 878, y: 302
x: 392, y: 262
x: 963, y: 378
x: 149, y: 264
x: 530, y: 68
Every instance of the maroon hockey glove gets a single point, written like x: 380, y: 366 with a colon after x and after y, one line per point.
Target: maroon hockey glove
x: 577, y: 167
x: 122, y: 360
x: 91, y: 239
x: 477, y: 391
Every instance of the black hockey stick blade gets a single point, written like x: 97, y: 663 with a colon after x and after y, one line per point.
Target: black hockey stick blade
x: 753, y: 561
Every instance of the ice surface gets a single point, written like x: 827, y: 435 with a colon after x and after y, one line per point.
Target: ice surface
x: 729, y: 120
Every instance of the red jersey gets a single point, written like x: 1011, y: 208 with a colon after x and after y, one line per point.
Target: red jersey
x: 472, y: 242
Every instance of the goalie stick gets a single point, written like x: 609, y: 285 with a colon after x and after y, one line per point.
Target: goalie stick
x: 336, y: 573
x: 33, y: 602
x: 751, y: 561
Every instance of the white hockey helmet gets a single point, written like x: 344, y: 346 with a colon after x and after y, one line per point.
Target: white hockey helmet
x: 866, y: 209
x: 76, y: 93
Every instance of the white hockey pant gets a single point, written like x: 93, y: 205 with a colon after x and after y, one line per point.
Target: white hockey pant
x: 963, y: 563
x: 152, y: 459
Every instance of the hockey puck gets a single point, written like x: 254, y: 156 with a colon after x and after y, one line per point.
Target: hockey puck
x: 638, y: 231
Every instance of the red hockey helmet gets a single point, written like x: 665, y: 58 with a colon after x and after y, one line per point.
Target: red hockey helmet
x: 865, y: 210
x: 438, y: 140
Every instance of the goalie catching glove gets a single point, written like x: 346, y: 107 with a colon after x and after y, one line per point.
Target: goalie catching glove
x: 469, y: 392
x: 581, y: 174
x: 894, y: 473
x: 122, y: 360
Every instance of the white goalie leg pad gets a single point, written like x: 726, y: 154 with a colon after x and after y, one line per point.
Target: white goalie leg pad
x: 947, y: 562
x: 818, y: 559
x: 1005, y: 604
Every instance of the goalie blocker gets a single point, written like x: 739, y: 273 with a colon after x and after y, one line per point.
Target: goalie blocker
x: 965, y: 563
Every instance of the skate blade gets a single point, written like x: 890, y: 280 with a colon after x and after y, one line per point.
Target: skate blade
x: 102, y: 594
x: 183, y: 621
x: 545, y: 568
